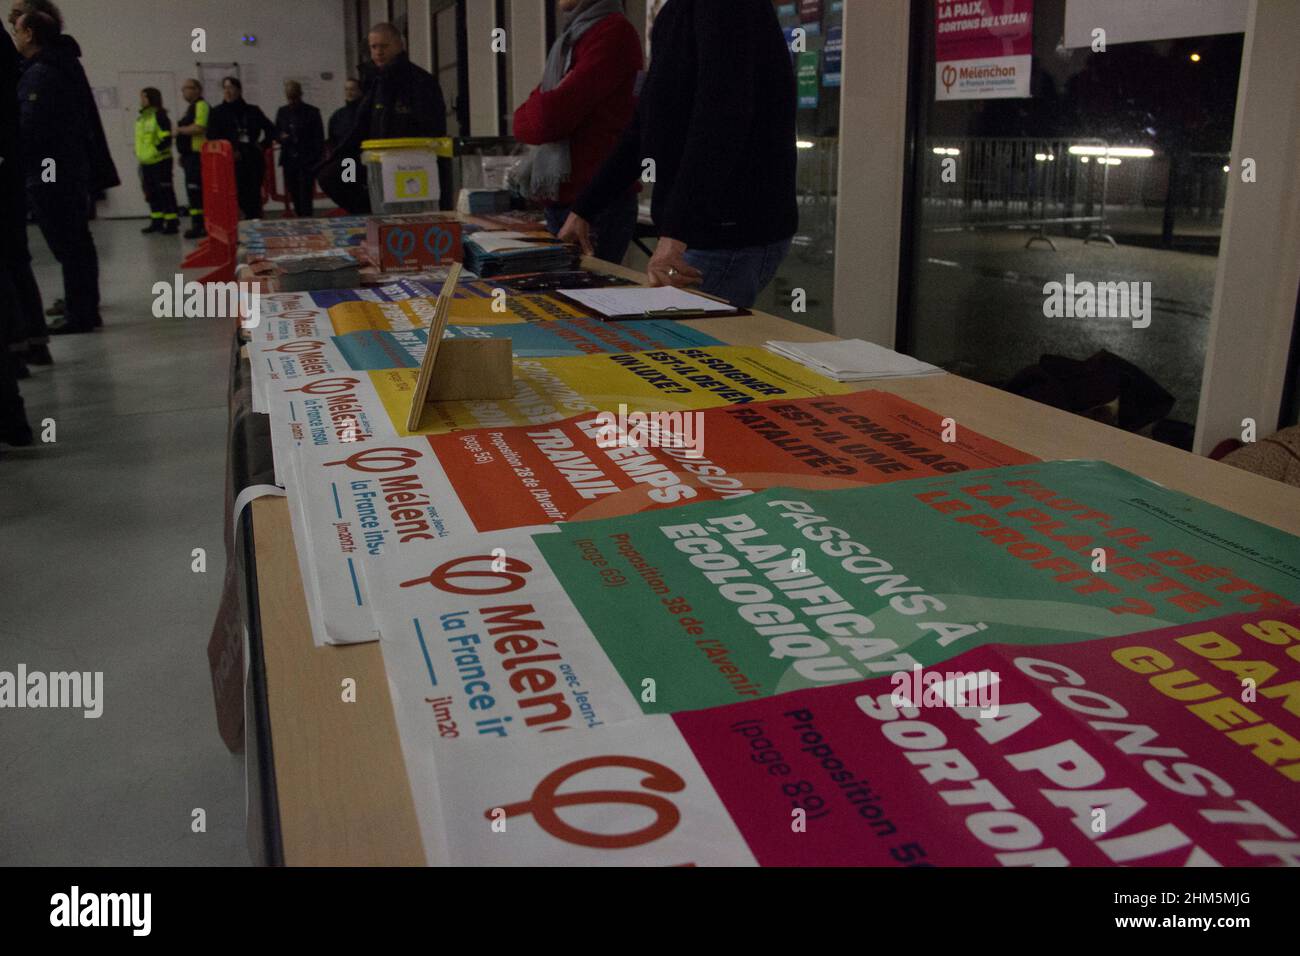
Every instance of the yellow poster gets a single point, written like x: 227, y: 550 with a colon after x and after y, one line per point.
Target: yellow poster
x: 550, y: 389
x: 410, y: 314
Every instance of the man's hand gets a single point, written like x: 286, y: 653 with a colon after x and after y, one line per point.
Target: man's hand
x: 576, y: 229
x: 668, y: 266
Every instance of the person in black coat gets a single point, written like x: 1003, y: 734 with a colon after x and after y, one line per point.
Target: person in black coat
x: 401, y: 100
x: 14, y: 429
x: 302, y: 143
x: 345, y: 117
x: 24, y: 339
x: 57, y: 166
x: 103, y: 171
x: 249, y: 132
x: 717, y: 116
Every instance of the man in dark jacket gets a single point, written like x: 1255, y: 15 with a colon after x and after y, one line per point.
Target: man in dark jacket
x: 401, y: 100
x: 717, y: 116
x: 57, y: 167
x: 249, y: 133
x: 24, y: 339
x: 345, y: 117
x: 103, y: 172
x: 302, y: 141
x: 14, y: 429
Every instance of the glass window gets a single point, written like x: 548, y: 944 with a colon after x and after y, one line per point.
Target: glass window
x: 1079, y: 219
x: 806, y: 278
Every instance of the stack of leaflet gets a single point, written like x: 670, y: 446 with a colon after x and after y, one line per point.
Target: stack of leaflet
x: 259, y: 238
x: 510, y: 253
x: 853, y: 360
x: 306, y: 271
x: 483, y: 202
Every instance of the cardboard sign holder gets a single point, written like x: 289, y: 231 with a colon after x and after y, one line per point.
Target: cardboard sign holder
x: 459, y: 369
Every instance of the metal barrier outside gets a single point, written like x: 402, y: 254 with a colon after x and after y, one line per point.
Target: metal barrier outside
x: 1018, y: 183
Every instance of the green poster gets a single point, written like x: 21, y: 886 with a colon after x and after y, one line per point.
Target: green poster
x: 806, y: 73
x: 778, y: 591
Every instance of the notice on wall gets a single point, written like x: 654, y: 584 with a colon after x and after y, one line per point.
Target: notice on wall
x: 983, y: 49
x: 834, y: 52
x: 810, y: 10
x: 806, y: 79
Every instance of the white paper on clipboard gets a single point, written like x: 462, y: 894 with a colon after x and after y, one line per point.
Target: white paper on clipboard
x: 641, y: 300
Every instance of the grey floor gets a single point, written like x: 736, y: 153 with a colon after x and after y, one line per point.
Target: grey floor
x: 96, y: 535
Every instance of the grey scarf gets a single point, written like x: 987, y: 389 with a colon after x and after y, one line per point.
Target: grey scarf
x: 545, y: 167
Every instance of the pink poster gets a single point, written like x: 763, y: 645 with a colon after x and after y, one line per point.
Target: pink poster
x: 983, y: 49
x: 1175, y: 747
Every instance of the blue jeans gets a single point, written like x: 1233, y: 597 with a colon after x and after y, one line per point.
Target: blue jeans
x: 738, y: 275
x: 612, y: 230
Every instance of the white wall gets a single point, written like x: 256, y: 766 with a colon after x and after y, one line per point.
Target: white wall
x: 480, y: 20
x: 128, y: 44
x: 527, y: 47
x: 419, y: 40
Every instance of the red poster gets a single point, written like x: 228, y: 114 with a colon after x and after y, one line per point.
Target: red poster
x: 558, y: 471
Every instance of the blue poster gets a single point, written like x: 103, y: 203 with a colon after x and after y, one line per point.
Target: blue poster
x: 374, y: 349
x: 834, y: 51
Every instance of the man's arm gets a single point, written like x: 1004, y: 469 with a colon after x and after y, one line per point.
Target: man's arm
x: 726, y: 57
x: 200, y: 124
x: 608, y: 57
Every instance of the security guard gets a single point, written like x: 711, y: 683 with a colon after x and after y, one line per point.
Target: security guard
x: 153, y: 148
x: 401, y: 100
x: 302, y: 141
x: 190, y: 137
x: 249, y: 133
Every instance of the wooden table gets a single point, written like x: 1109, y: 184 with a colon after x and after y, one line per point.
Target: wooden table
x: 339, y: 775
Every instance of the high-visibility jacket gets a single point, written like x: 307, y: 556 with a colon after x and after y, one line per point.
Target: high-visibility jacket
x: 153, y: 137
x: 196, y: 114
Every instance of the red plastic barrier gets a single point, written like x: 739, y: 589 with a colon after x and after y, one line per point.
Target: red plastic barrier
x: 220, y: 213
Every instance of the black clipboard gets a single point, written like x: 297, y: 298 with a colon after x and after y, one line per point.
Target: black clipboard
x: 729, y: 312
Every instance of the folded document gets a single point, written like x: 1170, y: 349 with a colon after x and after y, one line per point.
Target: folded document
x: 853, y: 360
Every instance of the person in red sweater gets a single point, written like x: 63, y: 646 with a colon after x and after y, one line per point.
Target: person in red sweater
x: 576, y: 116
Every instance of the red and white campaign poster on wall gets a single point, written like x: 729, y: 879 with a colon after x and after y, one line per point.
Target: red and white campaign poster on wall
x: 983, y: 49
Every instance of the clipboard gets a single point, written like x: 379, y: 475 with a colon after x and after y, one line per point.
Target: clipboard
x: 667, y: 313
